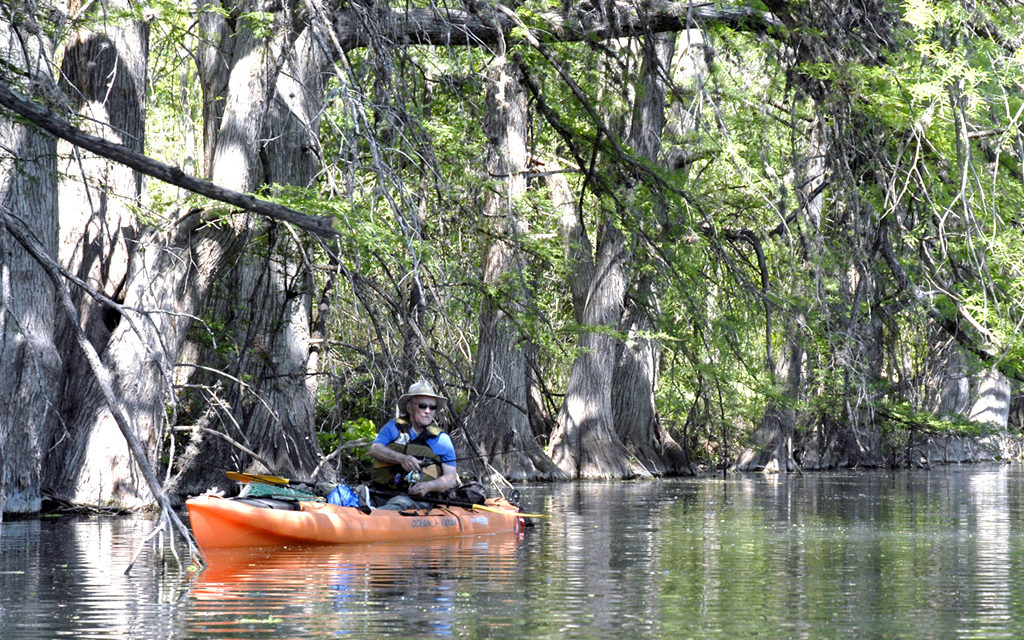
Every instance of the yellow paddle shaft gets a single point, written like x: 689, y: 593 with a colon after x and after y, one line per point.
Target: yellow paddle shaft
x: 483, y: 507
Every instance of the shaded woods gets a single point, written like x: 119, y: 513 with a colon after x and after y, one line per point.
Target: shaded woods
x: 625, y: 240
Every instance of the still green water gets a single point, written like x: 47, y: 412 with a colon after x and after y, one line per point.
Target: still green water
x: 873, y: 554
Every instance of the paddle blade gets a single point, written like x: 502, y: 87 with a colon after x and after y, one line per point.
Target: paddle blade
x: 245, y: 478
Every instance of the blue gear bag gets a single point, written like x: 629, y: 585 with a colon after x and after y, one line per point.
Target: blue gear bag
x: 343, y: 496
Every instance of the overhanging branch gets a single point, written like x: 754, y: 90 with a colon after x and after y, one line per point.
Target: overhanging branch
x: 46, y: 120
x: 439, y: 26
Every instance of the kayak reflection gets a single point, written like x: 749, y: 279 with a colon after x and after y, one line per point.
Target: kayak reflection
x: 356, y: 588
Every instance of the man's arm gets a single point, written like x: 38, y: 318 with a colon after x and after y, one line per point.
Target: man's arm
x: 390, y: 456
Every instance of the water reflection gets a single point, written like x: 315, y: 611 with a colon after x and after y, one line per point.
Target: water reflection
x: 65, y: 577
x: 989, y: 503
x: 891, y: 555
x: 343, y: 590
x: 876, y: 554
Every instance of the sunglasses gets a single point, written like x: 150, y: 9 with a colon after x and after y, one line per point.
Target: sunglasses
x: 424, y: 407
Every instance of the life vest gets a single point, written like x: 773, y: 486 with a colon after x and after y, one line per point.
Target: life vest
x: 393, y: 475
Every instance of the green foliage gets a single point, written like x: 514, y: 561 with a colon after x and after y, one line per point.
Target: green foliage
x: 327, y: 440
x: 911, y: 421
x: 359, y: 429
x: 910, y: 134
x: 261, y: 23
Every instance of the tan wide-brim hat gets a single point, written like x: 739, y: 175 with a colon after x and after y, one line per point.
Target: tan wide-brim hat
x: 421, y: 388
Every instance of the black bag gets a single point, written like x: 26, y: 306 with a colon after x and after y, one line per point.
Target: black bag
x: 471, y: 492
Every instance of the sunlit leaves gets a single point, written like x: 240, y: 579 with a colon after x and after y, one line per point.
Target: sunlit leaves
x: 919, y: 137
x: 921, y: 14
x: 261, y: 23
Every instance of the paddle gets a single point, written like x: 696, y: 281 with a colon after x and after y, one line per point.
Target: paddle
x: 297, y: 488
x: 484, y: 507
x: 246, y: 478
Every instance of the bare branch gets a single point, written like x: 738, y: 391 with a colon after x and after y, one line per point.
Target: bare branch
x: 103, y: 378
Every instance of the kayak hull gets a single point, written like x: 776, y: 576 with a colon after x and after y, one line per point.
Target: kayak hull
x: 222, y: 522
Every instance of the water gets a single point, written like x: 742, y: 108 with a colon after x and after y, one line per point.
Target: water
x: 875, y: 554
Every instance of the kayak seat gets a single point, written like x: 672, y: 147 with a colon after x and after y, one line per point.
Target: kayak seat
x: 267, y: 502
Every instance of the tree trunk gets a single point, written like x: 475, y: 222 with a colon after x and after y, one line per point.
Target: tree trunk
x: 633, y: 401
x: 499, y: 415
x: 584, y: 443
x: 172, y: 279
x: 291, y: 156
x: 991, y: 407
x: 262, y: 100
x: 272, y: 332
x: 240, y: 74
x: 141, y: 354
x: 634, y: 410
x: 29, y: 378
x: 774, y: 438
x: 104, y: 76
x: 278, y: 413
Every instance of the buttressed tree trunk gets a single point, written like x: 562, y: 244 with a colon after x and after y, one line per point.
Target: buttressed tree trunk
x: 275, y: 278
x: 284, y: 276
x: 262, y: 97
x: 499, y: 415
x: 171, y: 276
x: 104, y: 78
x: 636, y: 369
x: 584, y: 443
x: 29, y: 377
x: 610, y: 401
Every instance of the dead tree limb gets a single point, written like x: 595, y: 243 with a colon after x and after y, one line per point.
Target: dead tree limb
x: 169, y: 518
x: 46, y: 120
x: 442, y: 26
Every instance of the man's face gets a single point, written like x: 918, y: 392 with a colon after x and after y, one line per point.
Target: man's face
x: 422, y: 409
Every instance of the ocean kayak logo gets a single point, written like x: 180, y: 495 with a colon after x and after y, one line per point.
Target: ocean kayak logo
x: 434, y: 522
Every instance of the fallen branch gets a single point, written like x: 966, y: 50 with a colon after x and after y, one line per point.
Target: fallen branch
x: 234, y: 443
x: 168, y: 517
x: 345, y: 446
x: 446, y: 27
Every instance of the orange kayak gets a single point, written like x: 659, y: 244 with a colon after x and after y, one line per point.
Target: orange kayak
x: 225, y: 522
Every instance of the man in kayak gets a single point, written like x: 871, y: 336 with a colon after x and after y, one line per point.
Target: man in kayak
x: 412, y: 453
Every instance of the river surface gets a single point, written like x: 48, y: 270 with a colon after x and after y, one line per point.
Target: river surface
x: 872, y: 554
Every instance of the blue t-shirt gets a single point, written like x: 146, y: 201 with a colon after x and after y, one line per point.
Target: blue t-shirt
x: 440, y: 444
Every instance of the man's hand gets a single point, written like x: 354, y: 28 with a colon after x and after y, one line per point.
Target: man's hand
x: 420, y: 488
x: 410, y: 463
x: 449, y: 478
x: 390, y: 456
